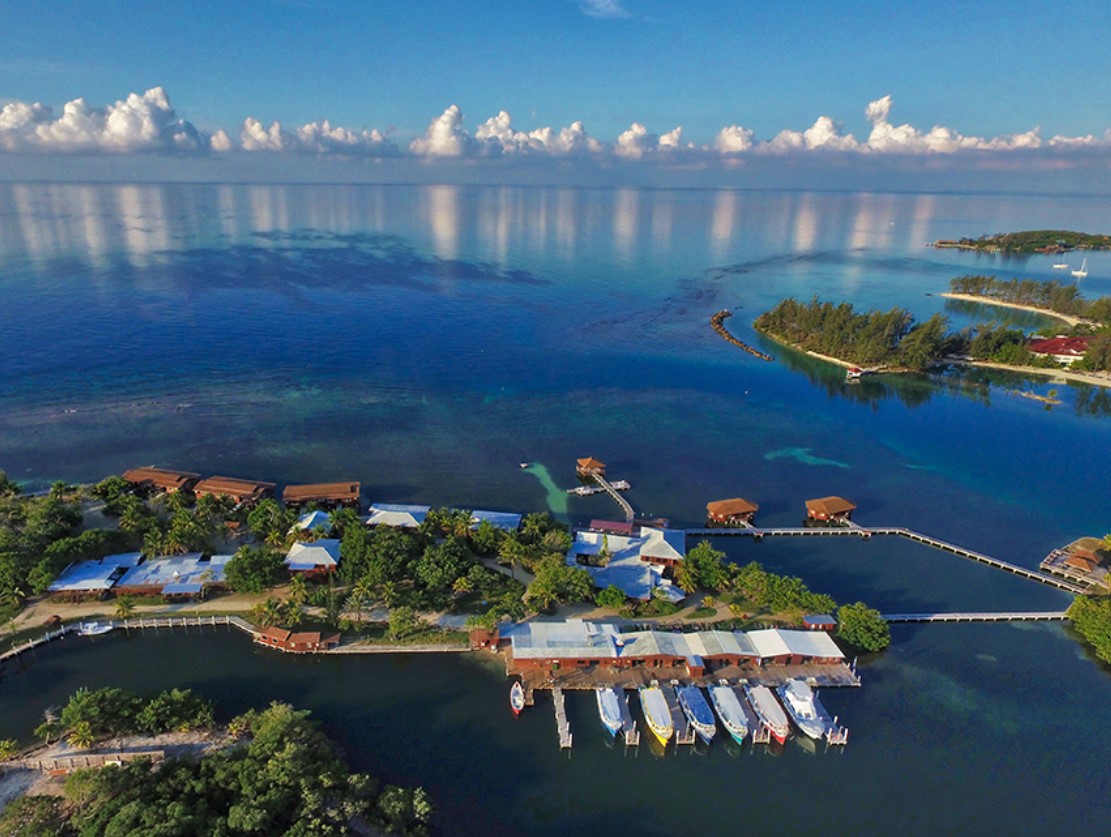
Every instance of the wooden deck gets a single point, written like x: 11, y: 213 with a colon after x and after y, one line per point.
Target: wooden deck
x: 684, y: 734
x: 563, y: 726
x: 628, y: 725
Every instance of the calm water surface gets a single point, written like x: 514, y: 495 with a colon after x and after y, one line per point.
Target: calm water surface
x: 427, y: 339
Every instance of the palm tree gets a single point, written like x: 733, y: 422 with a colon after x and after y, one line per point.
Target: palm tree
x: 269, y: 612
x: 298, y: 590
x: 81, y: 735
x: 125, y: 608
x: 462, y: 586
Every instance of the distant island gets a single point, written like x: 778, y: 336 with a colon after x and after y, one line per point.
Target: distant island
x: 1030, y: 242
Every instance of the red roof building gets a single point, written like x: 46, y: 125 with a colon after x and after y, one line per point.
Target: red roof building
x: 830, y: 508
x: 304, y: 642
x: 1066, y: 350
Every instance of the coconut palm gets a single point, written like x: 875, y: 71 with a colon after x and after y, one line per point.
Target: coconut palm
x: 125, y: 607
x: 269, y: 612
x: 81, y: 735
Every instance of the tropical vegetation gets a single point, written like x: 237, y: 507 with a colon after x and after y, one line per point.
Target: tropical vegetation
x: 1055, y: 296
x: 863, y: 627
x: 1091, y: 618
x: 1033, y: 241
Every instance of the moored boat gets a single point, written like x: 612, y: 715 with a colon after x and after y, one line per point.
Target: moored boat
x: 656, y: 713
x: 801, y: 703
x: 768, y: 710
x: 516, y: 697
x: 1083, y: 272
x: 694, y: 706
x: 609, y: 708
x: 729, y: 709
x: 94, y: 628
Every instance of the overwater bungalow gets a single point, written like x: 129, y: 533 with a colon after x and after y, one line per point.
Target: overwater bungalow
x: 830, y: 509
x: 732, y: 512
x: 589, y: 467
x: 161, y: 479
x: 239, y: 491
x: 330, y: 495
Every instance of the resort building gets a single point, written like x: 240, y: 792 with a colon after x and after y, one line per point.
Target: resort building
x: 506, y: 521
x: 398, y: 515
x: 237, y: 490
x: 316, y: 557
x: 636, y: 564
x: 611, y: 527
x: 304, y: 642
x: 830, y: 509
x: 314, y: 521
x: 574, y: 644
x: 1064, y: 350
x: 330, y: 495
x: 590, y: 467
x: 733, y: 512
x: 161, y: 479
x: 819, y: 622
x: 191, y: 575
x: 92, y: 579
x: 1084, y: 561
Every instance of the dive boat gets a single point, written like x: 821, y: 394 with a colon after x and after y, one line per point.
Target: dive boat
x: 729, y: 709
x: 698, y: 712
x: 769, y: 711
x: 609, y: 708
x: 94, y: 628
x: 516, y: 697
x: 801, y: 703
x: 656, y: 713
x: 1080, y: 274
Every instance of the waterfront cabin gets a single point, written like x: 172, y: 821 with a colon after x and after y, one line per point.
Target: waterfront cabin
x: 328, y: 495
x: 1064, y: 350
x: 161, y: 479
x: 589, y: 467
x: 315, y: 558
x: 303, y: 642
x: 733, y: 512
x: 239, y: 491
x: 175, y: 576
x: 830, y: 509
x: 316, y: 522
x: 397, y: 515
x: 819, y: 622
x: 92, y: 579
x: 506, y: 521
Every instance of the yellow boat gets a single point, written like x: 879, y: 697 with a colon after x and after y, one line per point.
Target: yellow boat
x: 656, y: 713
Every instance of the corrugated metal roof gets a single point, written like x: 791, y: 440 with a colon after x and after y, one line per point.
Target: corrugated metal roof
x: 322, y: 553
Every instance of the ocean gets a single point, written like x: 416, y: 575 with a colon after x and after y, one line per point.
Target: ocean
x: 427, y: 339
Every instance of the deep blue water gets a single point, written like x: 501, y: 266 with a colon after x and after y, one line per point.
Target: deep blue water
x: 425, y: 340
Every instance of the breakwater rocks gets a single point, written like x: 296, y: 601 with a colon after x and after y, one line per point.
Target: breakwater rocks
x: 717, y: 323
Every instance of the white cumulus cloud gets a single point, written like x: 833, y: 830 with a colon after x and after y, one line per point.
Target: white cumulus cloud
x: 445, y: 137
x: 734, y: 139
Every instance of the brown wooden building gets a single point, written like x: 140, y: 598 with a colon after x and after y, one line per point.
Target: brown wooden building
x: 236, y: 490
x: 590, y: 466
x: 161, y: 479
x: 836, y: 509
x: 324, y: 494
x: 731, y: 512
x: 305, y: 642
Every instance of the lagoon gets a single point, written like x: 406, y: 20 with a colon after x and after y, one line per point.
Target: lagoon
x: 428, y: 340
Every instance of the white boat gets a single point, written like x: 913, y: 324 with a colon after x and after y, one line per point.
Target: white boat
x: 729, y: 709
x: 697, y: 710
x: 1080, y: 274
x: 94, y: 628
x: 516, y: 697
x: 620, y: 485
x: 1060, y: 265
x: 524, y: 464
x: 656, y: 713
x: 768, y: 710
x: 609, y: 708
x: 801, y: 703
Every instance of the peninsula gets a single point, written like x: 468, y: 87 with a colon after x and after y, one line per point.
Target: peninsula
x: 1029, y: 242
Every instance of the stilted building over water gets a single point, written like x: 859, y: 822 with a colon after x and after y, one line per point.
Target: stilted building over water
x: 830, y: 510
x: 237, y: 490
x: 161, y: 479
x: 330, y: 495
x: 732, y: 512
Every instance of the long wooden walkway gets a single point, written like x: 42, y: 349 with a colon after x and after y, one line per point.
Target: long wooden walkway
x: 894, y: 531
x: 628, y: 725
x: 563, y: 726
x: 1015, y: 616
x: 78, y: 761
x: 613, y: 492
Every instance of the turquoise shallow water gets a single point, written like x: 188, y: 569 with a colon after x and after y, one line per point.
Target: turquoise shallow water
x: 427, y: 340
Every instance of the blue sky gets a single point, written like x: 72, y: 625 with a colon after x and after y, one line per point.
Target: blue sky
x: 982, y: 70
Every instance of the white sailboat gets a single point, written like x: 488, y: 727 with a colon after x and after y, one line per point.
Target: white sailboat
x: 1080, y: 274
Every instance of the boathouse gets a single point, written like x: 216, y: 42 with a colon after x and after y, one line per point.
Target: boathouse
x: 161, y: 479
x: 398, y: 515
x: 175, y: 576
x: 237, y: 490
x: 731, y: 512
x: 590, y: 467
x: 92, y: 579
x: 775, y: 646
x: 304, y: 642
x: 329, y: 495
x: 819, y: 622
x: 830, y: 509
x: 313, y: 558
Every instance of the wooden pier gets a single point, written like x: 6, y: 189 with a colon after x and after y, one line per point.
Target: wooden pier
x: 1012, y: 616
x: 563, y: 726
x: 895, y: 531
x: 628, y: 725
x: 684, y: 733
x: 613, y: 492
x: 59, y: 765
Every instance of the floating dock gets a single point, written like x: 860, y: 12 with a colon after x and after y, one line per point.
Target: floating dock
x: 563, y: 726
x: 628, y: 725
x: 684, y: 733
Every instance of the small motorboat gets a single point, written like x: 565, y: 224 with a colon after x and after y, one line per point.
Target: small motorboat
x: 524, y: 464
x: 94, y: 628
x: 609, y: 709
x: 516, y: 697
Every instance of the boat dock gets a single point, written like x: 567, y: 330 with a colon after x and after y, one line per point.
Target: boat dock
x: 621, y: 501
x: 628, y: 725
x: 866, y: 532
x: 563, y: 726
x: 684, y: 733
x: 1011, y: 616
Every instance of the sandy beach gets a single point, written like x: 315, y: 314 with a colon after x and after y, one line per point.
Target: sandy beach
x: 987, y: 300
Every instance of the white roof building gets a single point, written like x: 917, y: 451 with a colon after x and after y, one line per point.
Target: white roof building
x: 94, y: 576
x: 312, y: 522
x: 398, y: 515
x: 636, y: 563
x: 318, y: 555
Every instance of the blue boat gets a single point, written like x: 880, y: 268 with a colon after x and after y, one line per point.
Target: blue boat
x: 698, y: 712
x: 609, y: 709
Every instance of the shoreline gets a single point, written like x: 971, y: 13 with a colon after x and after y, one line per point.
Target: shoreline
x: 836, y: 361
x: 987, y: 300
x: 1091, y: 378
